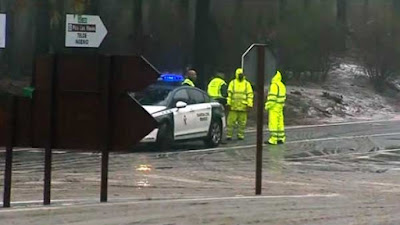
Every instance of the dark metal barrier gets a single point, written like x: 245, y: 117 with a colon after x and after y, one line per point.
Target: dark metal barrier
x: 80, y: 103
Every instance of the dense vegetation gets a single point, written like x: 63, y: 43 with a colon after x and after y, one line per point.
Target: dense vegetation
x: 307, y: 36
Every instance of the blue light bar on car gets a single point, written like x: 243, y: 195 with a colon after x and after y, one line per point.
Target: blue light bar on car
x: 171, y: 78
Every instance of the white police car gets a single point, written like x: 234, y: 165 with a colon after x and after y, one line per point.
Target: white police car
x: 182, y: 112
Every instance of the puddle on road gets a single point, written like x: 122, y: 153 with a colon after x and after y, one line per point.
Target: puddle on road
x: 276, y: 162
x: 318, y: 154
x: 144, y: 168
x: 143, y: 182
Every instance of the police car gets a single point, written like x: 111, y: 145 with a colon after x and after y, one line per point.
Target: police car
x: 182, y: 113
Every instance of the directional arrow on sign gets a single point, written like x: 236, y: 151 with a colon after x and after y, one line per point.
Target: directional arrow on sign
x: 84, y: 31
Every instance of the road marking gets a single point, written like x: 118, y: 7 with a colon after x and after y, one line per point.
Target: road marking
x: 160, y: 201
x: 174, y: 179
x: 36, y: 150
x: 379, y: 152
x: 253, y: 145
x: 331, y: 124
x: 344, y: 138
x: 380, y: 184
x: 289, y: 142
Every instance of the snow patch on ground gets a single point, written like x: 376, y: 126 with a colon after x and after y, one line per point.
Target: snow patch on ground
x: 306, y: 104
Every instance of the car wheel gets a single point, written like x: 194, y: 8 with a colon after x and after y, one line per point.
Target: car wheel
x: 165, y: 137
x: 214, y: 134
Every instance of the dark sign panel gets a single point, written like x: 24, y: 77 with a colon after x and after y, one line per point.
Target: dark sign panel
x: 91, y: 103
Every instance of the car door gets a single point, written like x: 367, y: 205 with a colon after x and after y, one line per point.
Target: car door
x: 201, y: 110
x: 181, y: 115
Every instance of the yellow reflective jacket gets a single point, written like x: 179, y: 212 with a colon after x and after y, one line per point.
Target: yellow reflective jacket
x: 276, y: 93
x: 214, y: 88
x: 240, y: 93
x: 188, y: 82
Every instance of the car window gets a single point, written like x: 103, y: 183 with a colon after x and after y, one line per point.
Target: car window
x: 180, y: 95
x: 206, y: 98
x: 153, y: 96
x: 196, y: 97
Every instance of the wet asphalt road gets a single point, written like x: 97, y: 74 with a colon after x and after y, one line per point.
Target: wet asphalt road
x: 340, y: 174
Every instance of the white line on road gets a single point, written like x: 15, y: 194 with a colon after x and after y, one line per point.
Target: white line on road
x: 35, y: 150
x: 362, y: 156
x: 289, y: 142
x: 177, y: 179
x: 160, y: 201
x: 332, y: 124
x: 253, y: 145
x: 345, y: 138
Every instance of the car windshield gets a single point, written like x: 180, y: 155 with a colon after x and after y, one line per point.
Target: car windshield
x: 154, y: 95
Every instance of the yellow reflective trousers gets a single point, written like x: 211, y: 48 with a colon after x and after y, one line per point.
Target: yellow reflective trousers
x: 236, y: 118
x: 276, y: 125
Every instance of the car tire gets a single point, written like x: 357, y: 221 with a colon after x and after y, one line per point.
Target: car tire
x: 214, y: 136
x: 165, y: 137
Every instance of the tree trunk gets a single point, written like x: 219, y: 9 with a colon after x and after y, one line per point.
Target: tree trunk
x: 366, y: 11
x: 341, y: 17
x: 186, y: 29
x: 21, y: 23
x: 200, y: 39
x: 42, y: 28
x: 138, y: 27
x: 396, y: 17
x: 341, y: 12
x: 57, y: 23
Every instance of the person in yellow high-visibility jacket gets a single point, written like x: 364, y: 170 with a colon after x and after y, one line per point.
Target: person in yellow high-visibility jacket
x: 218, y: 89
x: 275, y: 104
x: 240, y: 100
x: 190, y: 78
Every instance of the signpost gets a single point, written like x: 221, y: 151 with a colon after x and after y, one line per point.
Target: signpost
x: 3, y: 26
x: 84, y: 31
x: 259, y: 63
x: 250, y: 63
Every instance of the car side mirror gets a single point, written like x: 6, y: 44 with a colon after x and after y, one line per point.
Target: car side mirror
x: 181, y: 105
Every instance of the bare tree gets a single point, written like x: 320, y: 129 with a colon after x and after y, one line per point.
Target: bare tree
x: 377, y: 44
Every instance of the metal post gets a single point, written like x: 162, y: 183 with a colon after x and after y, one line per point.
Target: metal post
x: 9, y: 151
x: 108, y: 124
x: 260, y: 113
x: 104, y: 175
x: 51, y: 132
x: 47, y: 176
